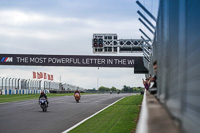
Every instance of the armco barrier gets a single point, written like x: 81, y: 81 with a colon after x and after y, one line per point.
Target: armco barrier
x: 14, y: 91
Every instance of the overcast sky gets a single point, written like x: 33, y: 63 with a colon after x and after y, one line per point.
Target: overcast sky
x: 65, y: 27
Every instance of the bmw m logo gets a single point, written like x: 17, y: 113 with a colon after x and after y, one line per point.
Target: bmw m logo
x: 7, y: 59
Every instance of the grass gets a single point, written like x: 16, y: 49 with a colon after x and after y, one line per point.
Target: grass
x: 22, y: 97
x: 118, y: 118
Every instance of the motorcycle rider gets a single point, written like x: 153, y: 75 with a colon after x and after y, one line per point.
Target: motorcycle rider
x: 77, y: 91
x: 118, y: 92
x: 45, y: 96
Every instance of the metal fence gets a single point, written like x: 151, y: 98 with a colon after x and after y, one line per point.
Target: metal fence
x: 17, y: 83
x: 176, y: 48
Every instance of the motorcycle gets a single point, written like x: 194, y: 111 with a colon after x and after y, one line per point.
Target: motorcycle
x: 77, y: 97
x: 43, y: 104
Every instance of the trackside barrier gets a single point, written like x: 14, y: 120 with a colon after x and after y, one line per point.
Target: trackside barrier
x: 14, y: 91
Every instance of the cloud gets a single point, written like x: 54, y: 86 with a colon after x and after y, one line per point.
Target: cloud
x: 15, y: 17
x: 17, y: 23
x: 21, y: 18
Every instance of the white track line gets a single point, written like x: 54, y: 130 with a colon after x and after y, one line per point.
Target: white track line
x: 89, y: 117
x: 142, y: 126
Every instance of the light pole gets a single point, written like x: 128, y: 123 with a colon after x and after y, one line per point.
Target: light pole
x: 18, y: 84
x: 97, y: 83
x: 31, y: 84
x: 6, y: 83
x: 49, y: 85
x: 98, y: 79
x: 25, y: 83
x: 22, y: 83
x: 2, y: 82
x: 9, y: 82
x: 44, y: 84
x: 53, y: 85
x: 35, y: 83
x: 12, y: 83
x: 28, y: 82
x: 40, y: 84
x: 15, y: 83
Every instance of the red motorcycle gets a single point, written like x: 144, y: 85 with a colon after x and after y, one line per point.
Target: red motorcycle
x: 77, y: 97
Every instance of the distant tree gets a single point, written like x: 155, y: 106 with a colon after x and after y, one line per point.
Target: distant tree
x: 135, y: 89
x: 125, y: 88
x: 107, y: 89
x: 130, y: 89
x: 102, y: 89
x: 113, y: 89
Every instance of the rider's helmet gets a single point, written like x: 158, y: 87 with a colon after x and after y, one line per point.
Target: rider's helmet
x: 42, y: 92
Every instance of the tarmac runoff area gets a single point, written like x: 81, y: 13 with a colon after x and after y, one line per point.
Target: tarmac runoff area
x: 63, y: 113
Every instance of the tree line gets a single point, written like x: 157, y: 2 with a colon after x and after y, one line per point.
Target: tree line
x: 124, y: 89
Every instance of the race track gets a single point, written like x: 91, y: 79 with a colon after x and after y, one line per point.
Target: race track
x: 63, y: 113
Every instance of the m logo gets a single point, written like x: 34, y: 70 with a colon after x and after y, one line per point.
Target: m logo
x: 7, y: 59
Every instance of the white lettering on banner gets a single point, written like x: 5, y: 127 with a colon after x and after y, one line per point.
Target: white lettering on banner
x: 101, y: 61
x: 88, y: 61
x: 93, y: 61
x: 75, y: 61
x: 22, y: 59
x: 67, y: 60
x: 64, y: 60
x: 85, y: 61
x: 50, y: 60
x: 37, y: 60
x: 109, y: 61
x: 59, y: 60
x: 130, y: 62
x: 120, y: 61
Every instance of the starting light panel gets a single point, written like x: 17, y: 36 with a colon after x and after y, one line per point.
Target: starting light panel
x: 104, y: 43
x: 109, y: 43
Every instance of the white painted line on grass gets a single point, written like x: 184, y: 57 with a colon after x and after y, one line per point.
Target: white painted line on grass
x: 89, y: 117
x: 142, y: 126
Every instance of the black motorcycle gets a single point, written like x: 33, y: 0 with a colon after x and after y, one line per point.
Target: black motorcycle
x: 43, y: 104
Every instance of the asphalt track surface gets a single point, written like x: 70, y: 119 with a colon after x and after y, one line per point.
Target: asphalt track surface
x: 62, y: 113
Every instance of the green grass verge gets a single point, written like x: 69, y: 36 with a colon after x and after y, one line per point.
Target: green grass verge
x: 119, y: 118
x: 22, y: 97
